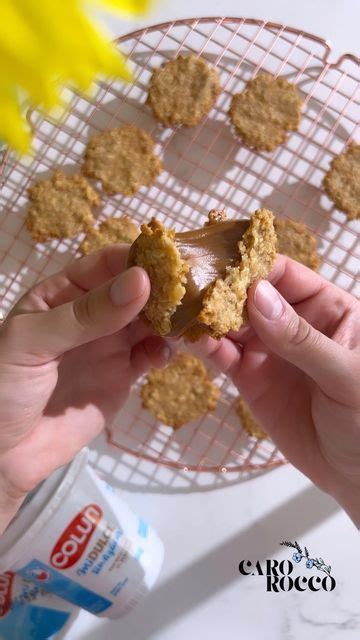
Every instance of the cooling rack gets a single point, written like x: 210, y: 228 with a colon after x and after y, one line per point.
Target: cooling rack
x: 205, y: 167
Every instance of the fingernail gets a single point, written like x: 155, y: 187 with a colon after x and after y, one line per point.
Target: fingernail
x: 268, y: 301
x: 164, y: 352
x: 128, y: 286
x: 158, y: 350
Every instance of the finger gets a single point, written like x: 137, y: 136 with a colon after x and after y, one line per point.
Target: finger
x: 80, y: 276
x: 223, y: 354
x: 151, y: 352
x: 295, y: 281
x: 98, y: 267
x: 39, y: 337
x: 290, y: 336
x: 242, y: 335
x: 139, y: 330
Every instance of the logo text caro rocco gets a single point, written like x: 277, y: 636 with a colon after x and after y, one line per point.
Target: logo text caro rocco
x: 279, y: 576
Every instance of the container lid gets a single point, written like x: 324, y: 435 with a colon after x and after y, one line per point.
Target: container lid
x: 16, y: 540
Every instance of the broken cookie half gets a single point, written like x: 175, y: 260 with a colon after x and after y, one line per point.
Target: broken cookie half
x: 199, y: 279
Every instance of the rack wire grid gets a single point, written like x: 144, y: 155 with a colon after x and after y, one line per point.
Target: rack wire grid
x: 204, y: 167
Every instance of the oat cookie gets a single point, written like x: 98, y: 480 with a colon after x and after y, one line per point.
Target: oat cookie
x: 60, y: 206
x: 183, y: 90
x: 295, y: 240
x: 122, y: 159
x: 181, y: 392
x: 155, y: 250
x: 248, y: 421
x: 266, y: 111
x: 342, y: 181
x: 223, y: 306
x: 193, y: 288
x: 110, y: 231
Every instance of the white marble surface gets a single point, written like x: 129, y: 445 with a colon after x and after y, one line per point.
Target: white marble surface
x: 200, y: 593
x: 206, y: 533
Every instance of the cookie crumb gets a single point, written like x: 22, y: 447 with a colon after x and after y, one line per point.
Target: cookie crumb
x: 183, y: 90
x: 248, y: 421
x: 342, y: 181
x: 266, y: 111
x: 181, y: 392
x: 60, y: 206
x: 215, y: 216
x: 123, y: 159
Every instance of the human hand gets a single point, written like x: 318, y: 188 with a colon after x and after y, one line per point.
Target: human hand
x: 297, y: 364
x: 69, y: 352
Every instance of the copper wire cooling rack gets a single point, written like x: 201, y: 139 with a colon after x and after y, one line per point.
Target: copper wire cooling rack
x: 205, y: 167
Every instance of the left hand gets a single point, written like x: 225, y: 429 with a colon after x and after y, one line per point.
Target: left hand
x: 69, y: 352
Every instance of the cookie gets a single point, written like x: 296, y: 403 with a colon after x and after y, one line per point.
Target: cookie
x: 110, y: 231
x: 295, y: 240
x: 199, y: 279
x: 122, y: 159
x: 266, y: 111
x: 183, y: 90
x: 342, y: 181
x: 181, y: 392
x: 60, y: 206
x: 224, y: 303
x: 248, y: 421
x: 156, y: 252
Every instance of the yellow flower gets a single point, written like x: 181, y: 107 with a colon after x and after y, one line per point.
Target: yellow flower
x: 45, y: 45
x: 126, y: 7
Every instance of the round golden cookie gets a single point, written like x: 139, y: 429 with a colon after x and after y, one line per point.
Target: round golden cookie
x: 122, y: 159
x: 179, y: 393
x: 266, y: 111
x: 248, y: 421
x: 183, y: 90
x: 342, y: 181
x: 295, y: 240
x: 60, y: 206
x: 110, y: 231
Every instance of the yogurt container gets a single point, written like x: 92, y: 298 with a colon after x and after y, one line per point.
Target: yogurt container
x: 27, y: 612
x: 80, y: 541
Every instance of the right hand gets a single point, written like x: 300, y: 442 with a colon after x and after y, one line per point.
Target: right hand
x: 297, y: 364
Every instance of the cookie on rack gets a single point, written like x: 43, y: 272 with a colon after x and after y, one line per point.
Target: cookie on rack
x: 342, y: 181
x: 123, y: 159
x: 295, y: 240
x: 248, y: 421
x: 110, y: 231
x: 183, y: 90
x: 61, y: 206
x: 265, y: 112
x: 181, y: 392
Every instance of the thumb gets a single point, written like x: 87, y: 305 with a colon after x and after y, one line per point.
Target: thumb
x: 290, y: 336
x: 33, y: 338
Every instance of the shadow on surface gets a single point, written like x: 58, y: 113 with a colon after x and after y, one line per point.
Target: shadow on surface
x: 212, y: 573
